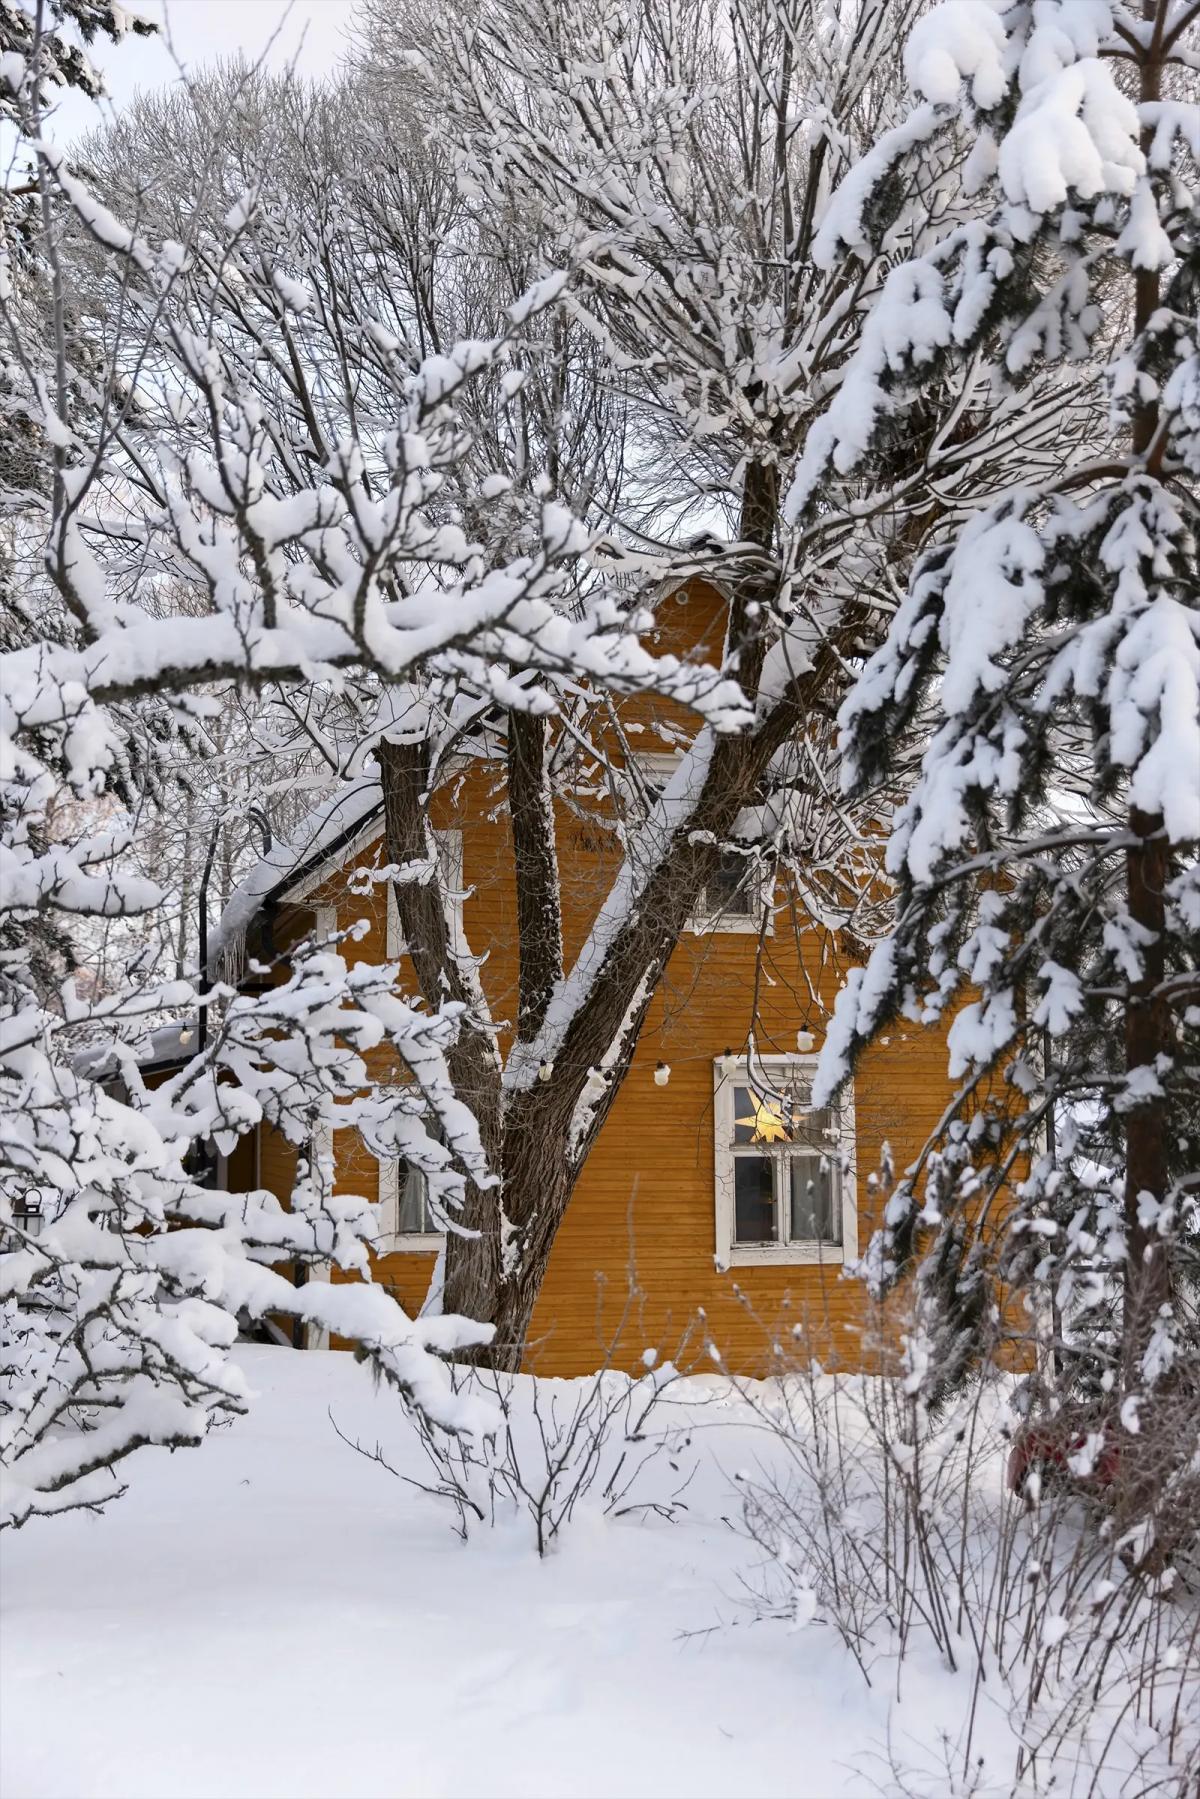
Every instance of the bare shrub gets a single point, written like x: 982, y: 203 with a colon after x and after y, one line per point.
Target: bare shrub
x: 1052, y: 1566
x: 559, y: 1443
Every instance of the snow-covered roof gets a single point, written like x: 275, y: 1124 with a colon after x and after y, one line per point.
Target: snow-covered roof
x: 330, y: 825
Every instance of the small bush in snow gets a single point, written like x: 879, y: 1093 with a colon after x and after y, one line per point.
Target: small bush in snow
x: 599, y: 1443
x: 1066, y: 1596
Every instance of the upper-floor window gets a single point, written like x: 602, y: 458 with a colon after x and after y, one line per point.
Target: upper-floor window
x: 784, y: 1169
x: 739, y: 891
x: 406, y: 1219
x: 450, y: 855
x: 733, y: 896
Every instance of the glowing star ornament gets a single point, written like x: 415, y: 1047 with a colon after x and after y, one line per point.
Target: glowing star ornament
x: 767, y: 1122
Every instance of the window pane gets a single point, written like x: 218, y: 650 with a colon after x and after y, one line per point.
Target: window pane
x: 815, y: 1208
x: 761, y: 1118
x: 728, y: 888
x: 413, y: 1218
x: 754, y: 1200
x: 815, y: 1131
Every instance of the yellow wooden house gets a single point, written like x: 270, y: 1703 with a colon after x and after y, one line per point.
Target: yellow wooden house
x: 715, y: 1206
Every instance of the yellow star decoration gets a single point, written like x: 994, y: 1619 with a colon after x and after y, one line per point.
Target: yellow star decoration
x: 768, y: 1122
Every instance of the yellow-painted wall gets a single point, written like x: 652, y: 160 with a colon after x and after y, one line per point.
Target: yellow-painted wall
x: 645, y: 1203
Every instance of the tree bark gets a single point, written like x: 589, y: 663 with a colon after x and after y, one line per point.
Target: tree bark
x: 472, y: 1275
x: 1148, y: 1035
x: 539, y: 906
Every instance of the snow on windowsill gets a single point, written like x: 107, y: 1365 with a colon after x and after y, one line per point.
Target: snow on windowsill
x: 423, y: 1243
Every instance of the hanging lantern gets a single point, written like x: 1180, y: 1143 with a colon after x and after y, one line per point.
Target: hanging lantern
x: 545, y: 1071
x: 805, y: 1042
x: 662, y: 1074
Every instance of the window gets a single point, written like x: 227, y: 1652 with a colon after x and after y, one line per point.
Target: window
x: 733, y: 895
x: 450, y: 854
x: 29, y: 1211
x: 406, y: 1219
x: 784, y: 1188
x: 406, y: 1223
x: 413, y: 1216
x: 738, y: 889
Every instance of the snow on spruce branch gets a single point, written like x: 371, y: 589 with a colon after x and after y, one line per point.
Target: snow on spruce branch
x: 1040, y: 684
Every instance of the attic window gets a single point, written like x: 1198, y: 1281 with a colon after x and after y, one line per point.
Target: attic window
x: 407, y: 1223
x: 739, y: 889
x: 784, y: 1188
x: 731, y: 891
x: 450, y: 856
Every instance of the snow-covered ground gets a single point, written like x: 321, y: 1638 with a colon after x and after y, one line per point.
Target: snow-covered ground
x: 273, y: 1615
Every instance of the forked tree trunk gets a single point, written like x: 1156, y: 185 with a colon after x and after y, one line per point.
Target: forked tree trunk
x: 528, y: 1133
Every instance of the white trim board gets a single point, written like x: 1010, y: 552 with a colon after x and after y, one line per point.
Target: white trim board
x: 308, y: 884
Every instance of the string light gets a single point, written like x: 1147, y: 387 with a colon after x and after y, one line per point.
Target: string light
x: 548, y: 1070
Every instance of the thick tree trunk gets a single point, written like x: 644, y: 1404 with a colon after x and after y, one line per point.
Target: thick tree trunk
x: 538, y: 1181
x: 535, y: 866
x: 473, y: 1270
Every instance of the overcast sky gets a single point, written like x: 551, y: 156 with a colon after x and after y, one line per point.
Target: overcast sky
x: 312, y: 32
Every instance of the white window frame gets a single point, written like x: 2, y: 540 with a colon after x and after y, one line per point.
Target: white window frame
x: 450, y: 851
x: 761, y: 890
x: 393, y: 1241
x: 730, y: 1072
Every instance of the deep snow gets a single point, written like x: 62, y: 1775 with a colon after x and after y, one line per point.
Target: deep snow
x: 273, y: 1615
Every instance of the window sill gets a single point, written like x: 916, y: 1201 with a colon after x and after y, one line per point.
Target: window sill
x: 733, y: 924
x: 425, y: 1243
x: 784, y: 1255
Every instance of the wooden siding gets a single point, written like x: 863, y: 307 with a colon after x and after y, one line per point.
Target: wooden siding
x: 644, y: 1209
